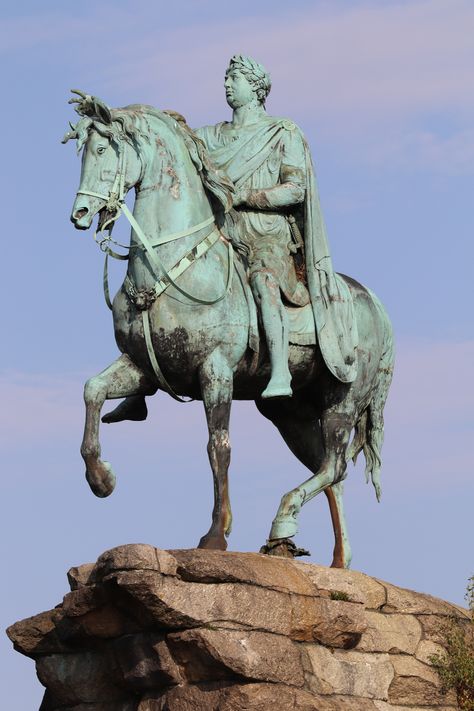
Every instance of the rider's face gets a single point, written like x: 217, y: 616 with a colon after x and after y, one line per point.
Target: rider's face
x: 238, y: 90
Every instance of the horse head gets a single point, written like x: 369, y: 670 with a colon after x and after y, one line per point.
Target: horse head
x: 136, y: 145
x: 111, y: 162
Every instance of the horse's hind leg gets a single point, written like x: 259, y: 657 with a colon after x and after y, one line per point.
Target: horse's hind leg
x: 335, y: 433
x: 342, y: 554
x: 120, y: 379
x: 216, y: 379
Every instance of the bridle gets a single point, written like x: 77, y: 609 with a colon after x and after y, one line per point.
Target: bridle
x: 115, y: 205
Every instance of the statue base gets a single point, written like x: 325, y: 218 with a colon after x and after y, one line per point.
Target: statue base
x: 193, y: 630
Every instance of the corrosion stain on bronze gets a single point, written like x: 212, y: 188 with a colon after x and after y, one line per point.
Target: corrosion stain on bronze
x: 225, y: 333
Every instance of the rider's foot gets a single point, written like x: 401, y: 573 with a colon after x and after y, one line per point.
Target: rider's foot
x: 132, y: 408
x: 278, y: 387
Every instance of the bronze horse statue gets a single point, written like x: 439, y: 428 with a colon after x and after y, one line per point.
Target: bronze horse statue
x: 183, y: 321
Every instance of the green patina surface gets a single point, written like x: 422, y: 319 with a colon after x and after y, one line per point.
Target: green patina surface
x: 184, y: 319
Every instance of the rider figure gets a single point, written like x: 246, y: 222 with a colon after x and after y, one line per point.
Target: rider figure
x: 268, y: 160
x: 265, y: 159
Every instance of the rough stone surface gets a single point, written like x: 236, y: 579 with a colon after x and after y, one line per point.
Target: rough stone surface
x: 208, y: 654
x: 255, y: 569
x: 333, y: 623
x: 151, y: 630
x: 426, y: 649
x: 38, y: 635
x: 416, y: 683
x: 390, y: 633
x: 415, y: 603
x: 383, y: 706
x: 78, y: 576
x: 348, y: 673
x: 357, y: 586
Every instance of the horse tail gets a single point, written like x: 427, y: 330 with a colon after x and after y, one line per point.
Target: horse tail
x: 369, y: 433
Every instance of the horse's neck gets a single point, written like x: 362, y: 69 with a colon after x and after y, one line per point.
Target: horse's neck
x: 171, y: 205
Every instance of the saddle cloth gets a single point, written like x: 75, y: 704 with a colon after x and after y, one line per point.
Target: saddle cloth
x: 301, y: 325
x: 302, y: 330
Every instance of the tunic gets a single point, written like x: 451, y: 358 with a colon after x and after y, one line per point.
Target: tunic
x: 281, y: 175
x: 271, y: 159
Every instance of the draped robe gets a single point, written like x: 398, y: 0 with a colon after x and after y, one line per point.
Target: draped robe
x: 271, y: 159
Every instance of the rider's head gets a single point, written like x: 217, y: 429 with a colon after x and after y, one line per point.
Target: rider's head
x: 246, y: 79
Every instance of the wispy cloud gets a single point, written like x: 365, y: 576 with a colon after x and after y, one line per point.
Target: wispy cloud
x: 432, y: 384
x: 447, y: 155
x: 38, y: 406
x: 361, y: 74
x: 427, y: 415
x: 44, y: 29
x: 366, y: 58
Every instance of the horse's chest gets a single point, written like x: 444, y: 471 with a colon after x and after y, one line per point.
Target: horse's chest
x: 182, y: 338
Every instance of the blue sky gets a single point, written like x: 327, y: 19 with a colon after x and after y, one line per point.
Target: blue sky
x: 385, y: 94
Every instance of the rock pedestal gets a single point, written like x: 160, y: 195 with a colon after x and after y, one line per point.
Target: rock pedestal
x: 150, y: 630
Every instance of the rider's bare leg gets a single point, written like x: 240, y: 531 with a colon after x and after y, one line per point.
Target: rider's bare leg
x: 216, y: 380
x: 121, y: 379
x: 275, y: 323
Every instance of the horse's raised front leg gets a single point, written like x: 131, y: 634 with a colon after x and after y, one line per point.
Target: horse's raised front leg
x: 120, y: 379
x: 216, y: 380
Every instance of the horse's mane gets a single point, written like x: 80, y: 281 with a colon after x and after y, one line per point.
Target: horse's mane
x: 133, y: 125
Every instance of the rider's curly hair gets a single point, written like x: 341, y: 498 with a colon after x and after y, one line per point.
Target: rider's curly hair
x: 255, y: 73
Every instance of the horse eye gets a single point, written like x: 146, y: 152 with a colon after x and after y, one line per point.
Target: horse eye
x: 100, y: 150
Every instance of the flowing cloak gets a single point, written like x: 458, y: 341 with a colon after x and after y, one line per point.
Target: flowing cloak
x: 331, y: 300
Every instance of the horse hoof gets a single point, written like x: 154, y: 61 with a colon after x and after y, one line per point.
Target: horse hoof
x: 213, y: 543
x: 283, y: 548
x: 101, y: 480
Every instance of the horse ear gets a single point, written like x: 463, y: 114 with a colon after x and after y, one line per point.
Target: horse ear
x: 70, y: 134
x: 103, y: 112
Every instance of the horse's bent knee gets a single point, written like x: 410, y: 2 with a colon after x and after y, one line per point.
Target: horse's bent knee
x: 292, y: 502
x: 90, y: 450
x: 219, y: 444
x: 262, y: 282
x: 95, y: 390
x: 219, y: 438
x: 340, y: 471
x: 319, y: 483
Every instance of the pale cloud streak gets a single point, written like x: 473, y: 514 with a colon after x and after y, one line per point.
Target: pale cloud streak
x: 427, y: 415
x: 452, y: 154
x: 368, y: 58
x: 367, y: 76
x: 363, y: 75
x: 432, y: 383
x: 38, y: 406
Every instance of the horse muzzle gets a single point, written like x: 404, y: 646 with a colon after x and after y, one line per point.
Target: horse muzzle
x: 81, y: 218
x: 83, y: 211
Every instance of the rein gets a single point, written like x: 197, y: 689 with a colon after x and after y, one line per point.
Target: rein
x: 115, y: 205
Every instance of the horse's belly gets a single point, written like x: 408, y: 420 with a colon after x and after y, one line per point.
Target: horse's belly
x: 183, y: 338
x: 305, y: 363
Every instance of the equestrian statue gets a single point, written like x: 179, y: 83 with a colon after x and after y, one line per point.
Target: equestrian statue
x: 230, y: 293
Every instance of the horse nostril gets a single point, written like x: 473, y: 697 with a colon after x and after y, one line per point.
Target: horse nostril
x: 79, y: 214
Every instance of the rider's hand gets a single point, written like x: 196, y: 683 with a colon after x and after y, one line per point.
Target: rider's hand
x: 240, y: 197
